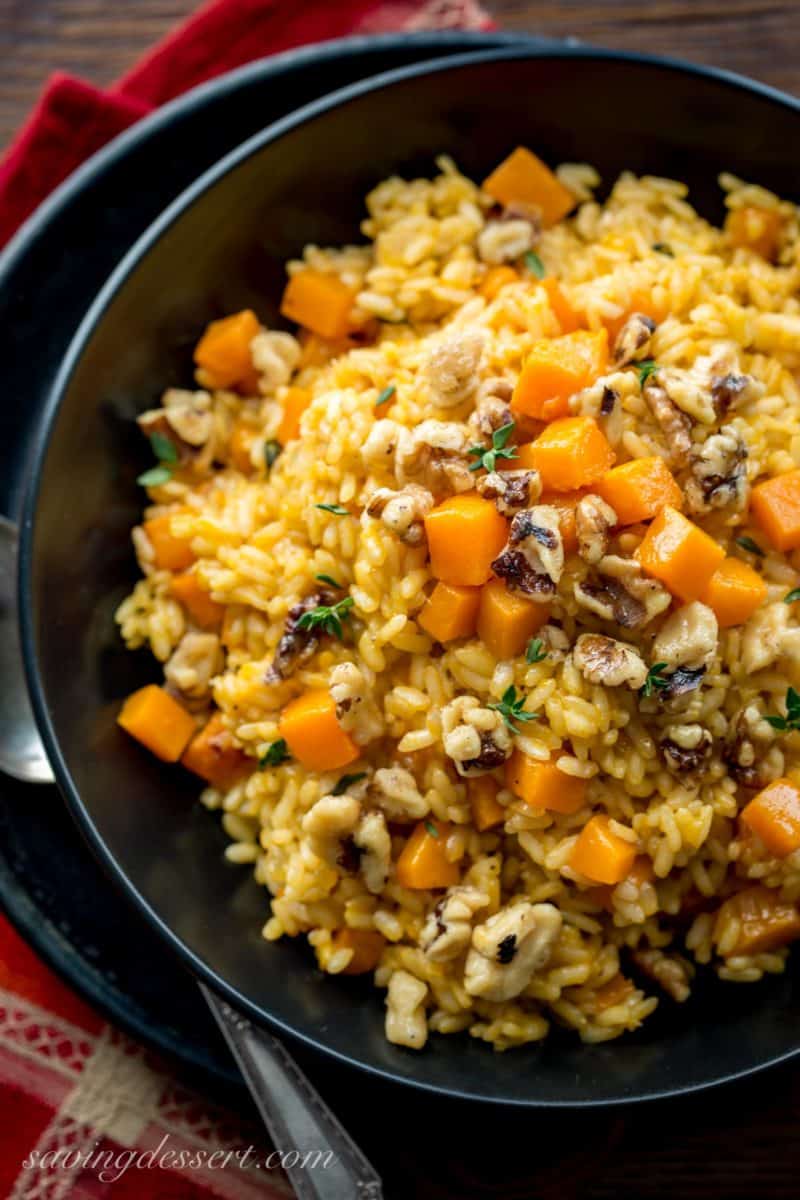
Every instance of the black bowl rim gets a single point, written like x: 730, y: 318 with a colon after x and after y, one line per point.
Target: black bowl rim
x: 87, y: 327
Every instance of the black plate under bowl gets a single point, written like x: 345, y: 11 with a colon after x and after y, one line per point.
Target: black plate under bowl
x: 51, y: 886
x: 221, y: 247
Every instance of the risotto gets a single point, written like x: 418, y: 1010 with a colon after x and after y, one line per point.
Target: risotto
x: 476, y: 598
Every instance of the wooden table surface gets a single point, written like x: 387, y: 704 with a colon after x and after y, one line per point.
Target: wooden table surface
x: 739, y: 1143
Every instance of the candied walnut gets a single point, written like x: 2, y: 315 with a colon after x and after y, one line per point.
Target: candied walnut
x: 195, y: 661
x: 453, y: 367
x: 509, y: 948
x: 619, y: 591
x: 275, y: 356
x: 688, y: 637
x: 448, y: 928
x: 686, y: 747
x: 297, y: 646
x: 606, y: 661
x: 669, y: 971
x: 511, y: 490
x: 395, y: 791
x: 474, y: 737
x: 406, y: 1024
x: 402, y: 512
x: 435, y: 456
x: 533, y: 559
x: 594, y: 520
x: 633, y: 339
x: 675, y: 425
x: 719, y: 472
x: 330, y: 824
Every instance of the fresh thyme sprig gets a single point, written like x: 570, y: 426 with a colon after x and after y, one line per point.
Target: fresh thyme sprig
x: 166, y: 452
x: 656, y: 681
x: 511, y: 708
x: 487, y: 459
x: 792, y: 718
x: 327, y: 618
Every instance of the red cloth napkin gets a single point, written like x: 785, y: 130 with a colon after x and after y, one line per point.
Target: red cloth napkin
x: 86, y: 1113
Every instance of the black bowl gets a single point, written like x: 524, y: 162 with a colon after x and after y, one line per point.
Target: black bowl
x: 220, y: 247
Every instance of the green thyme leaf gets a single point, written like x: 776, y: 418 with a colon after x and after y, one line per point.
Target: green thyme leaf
x: 329, y: 579
x: 655, y: 680
x: 274, y: 754
x: 791, y: 596
x: 487, y: 459
x: 511, y: 708
x: 336, y: 509
x: 271, y: 451
x: 155, y: 476
x: 163, y: 448
x: 792, y: 718
x: 431, y: 828
x: 747, y: 543
x: 385, y: 396
x: 644, y: 369
x: 535, y: 651
x: 664, y: 248
x: 535, y: 264
x: 347, y: 781
x: 327, y: 618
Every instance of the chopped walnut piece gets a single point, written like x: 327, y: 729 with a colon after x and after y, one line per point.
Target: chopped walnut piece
x: 448, y: 928
x: 606, y: 661
x: 506, y: 240
x: 594, y: 520
x: 491, y: 411
x: 406, y: 1024
x: 719, y: 472
x: 533, y: 558
x: 435, y: 456
x: 686, y: 747
x: 669, y: 971
x: 474, y: 737
x: 395, y: 791
x: 511, y: 490
x: 452, y: 367
x: 329, y: 824
x: 688, y: 637
x: 675, y: 425
x: 619, y: 591
x: 633, y: 339
x: 403, y: 511
x: 509, y: 948
x: 297, y: 646
x: 195, y: 661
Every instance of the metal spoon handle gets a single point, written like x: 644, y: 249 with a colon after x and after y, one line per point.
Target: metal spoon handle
x: 297, y: 1117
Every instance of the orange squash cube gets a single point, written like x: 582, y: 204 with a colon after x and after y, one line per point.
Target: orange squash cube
x: 734, y: 592
x: 565, y: 504
x: 543, y: 785
x: 367, y: 946
x: 506, y: 622
x: 157, y: 721
x: 568, y: 318
x: 776, y: 506
x: 757, y: 229
x: 766, y: 922
x: 171, y: 553
x: 423, y: 863
x: 223, y: 352
x: 679, y: 554
x: 295, y: 403
x: 215, y: 757
x: 465, y: 535
x: 450, y: 612
x: 314, y: 736
x: 571, y: 453
x: 204, y: 611
x: 600, y: 854
x: 638, y: 490
x: 240, y: 443
x: 774, y: 816
x: 487, y: 812
x: 523, y: 178
x: 495, y: 279
x: 319, y: 302
x: 555, y: 370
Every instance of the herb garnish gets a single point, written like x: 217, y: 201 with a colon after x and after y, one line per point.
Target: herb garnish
x: 341, y: 785
x: 791, y: 596
x: 329, y: 579
x: 535, y: 651
x: 655, y: 680
x: 664, y: 248
x: 431, y: 828
x: 750, y: 546
x: 644, y: 369
x: 385, y: 395
x: 792, y: 718
x: 274, y: 754
x: 327, y: 617
x: 535, y: 264
x: 488, y: 458
x: 511, y: 708
x: 166, y: 452
x: 271, y: 451
x: 336, y: 509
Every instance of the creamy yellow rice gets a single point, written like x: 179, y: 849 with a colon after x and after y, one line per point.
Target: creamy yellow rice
x: 260, y: 540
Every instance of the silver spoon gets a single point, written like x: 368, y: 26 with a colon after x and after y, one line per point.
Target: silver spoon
x: 329, y: 1165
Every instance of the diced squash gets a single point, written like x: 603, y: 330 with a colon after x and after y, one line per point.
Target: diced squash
x: 317, y: 352
x: 465, y: 534
x: 776, y: 506
x: 366, y: 944
x: 641, y: 872
x: 215, y: 757
x: 679, y: 554
x: 495, y: 279
x: 766, y: 922
x: 757, y: 229
x: 565, y: 504
x: 157, y: 721
x: 640, y: 302
x: 524, y: 178
x: 223, y: 352
x: 506, y: 621
x: 423, y: 862
x: 774, y: 816
x: 600, y: 854
x: 171, y: 553
x: 571, y: 453
x: 615, y: 992
x: 568, y: 318
x: 450, y: 612
x: 487, y: 812
x: 542, y: 785
x: 734, y: 592
x: 240, y: 445
x: 188, y: 591
x: 295, y: 403
x: 556, y: 369
x: 313, y: 734
x: 319, y: 302
x: 638, y: 490
x: 523, y: 461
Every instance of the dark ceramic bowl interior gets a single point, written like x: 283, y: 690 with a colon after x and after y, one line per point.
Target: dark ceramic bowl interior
x: 221, y: 247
